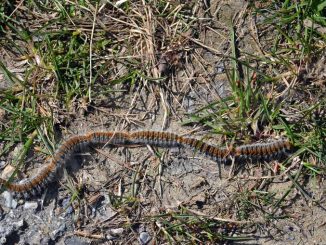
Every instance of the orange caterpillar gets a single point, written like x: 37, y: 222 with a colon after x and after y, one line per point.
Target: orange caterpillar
x: 34, y: 185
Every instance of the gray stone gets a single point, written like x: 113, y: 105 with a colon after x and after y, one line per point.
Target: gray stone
x: 144, y: 238
x: 3, y: 240
x: 116, y: 231
x: 45, y: 241
x: 75, y: 241
x: 12, y: 214
x: 31, y: 205
x: 10, y: 202
x: 19, y: 224
x: 58, y: 232
x: 34, y: 237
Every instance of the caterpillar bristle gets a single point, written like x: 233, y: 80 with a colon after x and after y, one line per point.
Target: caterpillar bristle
x: 35, y: 185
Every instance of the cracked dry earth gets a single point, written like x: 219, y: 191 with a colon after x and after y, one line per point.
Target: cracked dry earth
x: 172, y: 179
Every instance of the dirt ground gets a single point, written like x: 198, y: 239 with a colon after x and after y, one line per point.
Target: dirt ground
x: 159, y: 179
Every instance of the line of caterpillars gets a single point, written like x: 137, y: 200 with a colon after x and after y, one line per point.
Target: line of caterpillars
x: 34, y: 185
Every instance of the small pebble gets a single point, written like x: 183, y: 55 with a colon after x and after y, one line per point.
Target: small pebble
x: 3, y: 240
x: 219, y: 68
x: 12, y: 214
x: 67, y: 207
x: 10, y: 202
x: 58, y: 232
x: 31, y: 205
x: 34, y: 237
x: 106, y: 212
x: 144, y: 238
x: 19, y: 224
x: 117, y: 231
x: 45, y: 241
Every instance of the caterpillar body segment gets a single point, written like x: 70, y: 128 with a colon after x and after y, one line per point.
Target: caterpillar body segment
x: 33, y: 186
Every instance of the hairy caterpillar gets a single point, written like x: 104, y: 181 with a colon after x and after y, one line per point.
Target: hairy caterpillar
x: 48, y: 173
